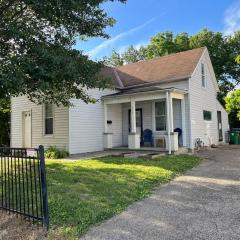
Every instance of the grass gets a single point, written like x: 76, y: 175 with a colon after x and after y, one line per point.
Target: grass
x: 86, y: 192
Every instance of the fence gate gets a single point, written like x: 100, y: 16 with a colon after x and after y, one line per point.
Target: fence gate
x: 23, y: 187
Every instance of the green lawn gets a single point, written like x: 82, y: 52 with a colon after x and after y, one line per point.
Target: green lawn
x: 85, y: 192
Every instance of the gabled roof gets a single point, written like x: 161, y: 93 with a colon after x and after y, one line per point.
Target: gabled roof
x: 167, y: 68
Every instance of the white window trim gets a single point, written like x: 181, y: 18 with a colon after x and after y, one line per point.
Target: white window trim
x: 154, y: 116
x: 43, y: 121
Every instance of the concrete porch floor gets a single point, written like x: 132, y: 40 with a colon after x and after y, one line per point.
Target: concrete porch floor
x: 123, y: 150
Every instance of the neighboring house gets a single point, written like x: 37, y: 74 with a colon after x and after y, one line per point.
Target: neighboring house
x: 162, y: 94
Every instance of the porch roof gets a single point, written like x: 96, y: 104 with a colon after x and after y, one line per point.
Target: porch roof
x: 147, y: 90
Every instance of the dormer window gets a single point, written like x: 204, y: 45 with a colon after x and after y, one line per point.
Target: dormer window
x: 203, y: 72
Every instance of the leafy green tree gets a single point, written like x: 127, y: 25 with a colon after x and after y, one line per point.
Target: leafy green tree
x: 182, y: 42
x: 4, y: 122
x: 222, y: 49
x: 238, y: 59
x: 160, y: 45
x: 37, y: 58
x: 133, y: 55
x: 233, y: 107
x: 114, y: 60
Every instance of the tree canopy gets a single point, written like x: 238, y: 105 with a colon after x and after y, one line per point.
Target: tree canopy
x: 233, y: 107
x: 37, y: 58
x: 222, y: 49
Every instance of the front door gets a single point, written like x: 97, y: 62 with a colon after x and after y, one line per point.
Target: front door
x: 220, y: 131
x: 27, y: 130
x: 139, y: 122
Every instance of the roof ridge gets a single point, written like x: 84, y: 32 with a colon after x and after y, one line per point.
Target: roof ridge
x: 157, y: 58
x: 118, y: 78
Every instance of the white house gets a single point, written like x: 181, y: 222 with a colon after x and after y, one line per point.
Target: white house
x: 162, y: 94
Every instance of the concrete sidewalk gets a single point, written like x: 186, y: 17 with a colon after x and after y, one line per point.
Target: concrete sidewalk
x: 202, y: 204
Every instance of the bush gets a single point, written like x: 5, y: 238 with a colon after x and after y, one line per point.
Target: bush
x: 55, y: 153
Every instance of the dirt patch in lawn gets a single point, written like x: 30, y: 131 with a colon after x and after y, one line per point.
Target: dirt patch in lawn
x: 16, y: 228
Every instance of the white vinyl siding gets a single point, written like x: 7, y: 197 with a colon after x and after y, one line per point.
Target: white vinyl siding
x: 86, y: 124
x: 58, y: 139
x: 203, y: 99
x: 115, y: 116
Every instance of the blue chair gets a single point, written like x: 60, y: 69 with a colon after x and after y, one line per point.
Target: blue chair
x: 147, y: 137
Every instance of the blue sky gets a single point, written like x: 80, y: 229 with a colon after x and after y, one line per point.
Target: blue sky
x: 139, y: 20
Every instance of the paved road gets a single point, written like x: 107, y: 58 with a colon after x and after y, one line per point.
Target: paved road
x: 203, y: 204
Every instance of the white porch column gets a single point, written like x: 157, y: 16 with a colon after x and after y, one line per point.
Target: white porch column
x: 184, y: 135
x: 168, y: 123
x: 133, y: 137
x: 171, y: 112
x: 133, y: 116
x: 105, y: 118
x: 107, y: 137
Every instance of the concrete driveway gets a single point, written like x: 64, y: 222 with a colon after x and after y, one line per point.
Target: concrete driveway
x: 202, y: 204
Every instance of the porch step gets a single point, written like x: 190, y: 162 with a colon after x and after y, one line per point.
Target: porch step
x: 181, y: 150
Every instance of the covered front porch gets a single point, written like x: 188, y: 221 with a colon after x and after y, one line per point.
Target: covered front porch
x: 146, y: 120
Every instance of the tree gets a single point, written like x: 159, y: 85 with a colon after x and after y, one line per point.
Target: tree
x: 4, y: 120
x: 37, y: 58
x: 233, y: 107
x: 160, y: 45
x: 114, y: 60
x: 133, y: 55
x: 222, y: 49
x: 238, y: 59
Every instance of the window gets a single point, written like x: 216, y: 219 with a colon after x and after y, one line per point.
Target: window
x: 207, y: 115
x: 48, y: 119
x: 203, y: 75
x: 160, y: 115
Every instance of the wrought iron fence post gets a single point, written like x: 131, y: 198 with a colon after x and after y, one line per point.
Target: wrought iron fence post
x: 44, y: 187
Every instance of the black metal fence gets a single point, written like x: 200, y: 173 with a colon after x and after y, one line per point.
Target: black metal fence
x: 23, y: 187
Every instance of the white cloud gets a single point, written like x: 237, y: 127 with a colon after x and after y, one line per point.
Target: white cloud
x: 110, y: 42
x: 232, y: 18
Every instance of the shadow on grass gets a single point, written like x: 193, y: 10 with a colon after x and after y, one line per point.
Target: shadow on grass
x: 178, y: 163
x: 83, y: 193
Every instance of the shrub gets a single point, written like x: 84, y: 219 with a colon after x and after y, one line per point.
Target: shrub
x: 54, y: 153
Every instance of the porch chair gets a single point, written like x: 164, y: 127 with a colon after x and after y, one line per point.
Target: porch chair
x: 147, y: 138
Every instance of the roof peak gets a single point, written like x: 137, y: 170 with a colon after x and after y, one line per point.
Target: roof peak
x: 161, y: 57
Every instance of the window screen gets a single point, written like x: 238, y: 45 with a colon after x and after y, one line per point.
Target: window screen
x: 203, y: 75
x: 160, y: 116
x: 207, y: 115
x: 48, y: 119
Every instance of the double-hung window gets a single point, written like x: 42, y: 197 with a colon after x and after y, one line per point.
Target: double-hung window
x: 160, y: 115
x: 203, y: 73
x: 48, y: 119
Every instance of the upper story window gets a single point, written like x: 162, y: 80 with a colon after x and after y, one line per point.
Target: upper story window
x: 207, y: 115
x: 48, y: 119
x: 160, y: 115
x: 203, y: 73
